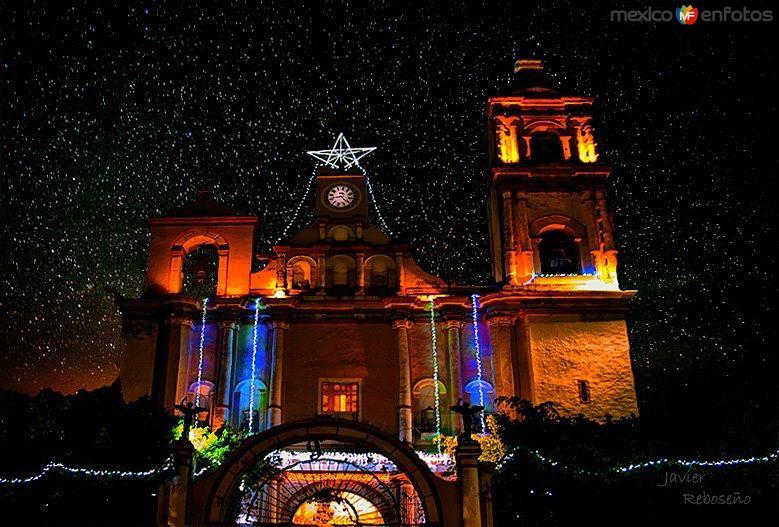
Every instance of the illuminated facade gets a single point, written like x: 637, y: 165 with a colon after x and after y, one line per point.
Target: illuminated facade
x: 340, y: 322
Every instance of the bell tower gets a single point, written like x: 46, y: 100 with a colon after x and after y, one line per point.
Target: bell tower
x: 547, y: 203
x: 557, y: 324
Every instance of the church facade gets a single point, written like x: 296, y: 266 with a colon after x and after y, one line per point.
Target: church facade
x: 339, y: 321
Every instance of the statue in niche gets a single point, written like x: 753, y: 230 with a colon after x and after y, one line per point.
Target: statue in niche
x: 585, y: 139
x: 506, y: 139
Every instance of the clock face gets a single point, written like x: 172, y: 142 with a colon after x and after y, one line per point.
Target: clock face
x: 340, y: 196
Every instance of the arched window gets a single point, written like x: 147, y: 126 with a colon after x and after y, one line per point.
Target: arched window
x: 545, y: 147
x: 424, y: 406
x: 301, y: 273
x: 200, y: 271
x: 242, y: 401
x: 559, y: 253
x: 300, y: 276
x: 201, y: 395
x: 474, y: 397
x: 380, y: 276
x: 340, y: 275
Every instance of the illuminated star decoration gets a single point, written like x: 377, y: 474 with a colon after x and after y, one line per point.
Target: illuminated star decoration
x: 342, y: 155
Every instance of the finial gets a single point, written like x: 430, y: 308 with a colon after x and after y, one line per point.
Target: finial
x: 528, y: 65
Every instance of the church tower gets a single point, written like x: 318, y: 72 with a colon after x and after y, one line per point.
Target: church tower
x: 562, y: 335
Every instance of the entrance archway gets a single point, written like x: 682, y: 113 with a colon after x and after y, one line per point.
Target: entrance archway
x: 307, y: 492
x: 212, y: 493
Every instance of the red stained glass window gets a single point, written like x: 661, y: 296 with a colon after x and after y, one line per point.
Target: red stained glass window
x: 339, y: 397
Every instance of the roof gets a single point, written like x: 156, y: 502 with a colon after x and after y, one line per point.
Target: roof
x: 204, y: 205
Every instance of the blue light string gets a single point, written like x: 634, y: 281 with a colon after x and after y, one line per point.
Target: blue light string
x: 254, y: 366
x: 201, y: 345
x: 477, y: 350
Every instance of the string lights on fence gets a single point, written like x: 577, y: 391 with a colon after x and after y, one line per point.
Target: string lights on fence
x: 59, y: 467
x: 200, y: 352
x: 624, y: 469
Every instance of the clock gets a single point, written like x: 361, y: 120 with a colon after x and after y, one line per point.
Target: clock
x: 341, y: 196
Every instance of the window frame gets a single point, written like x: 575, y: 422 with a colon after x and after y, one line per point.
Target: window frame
x: 356, y: 415
x: 583, y: 388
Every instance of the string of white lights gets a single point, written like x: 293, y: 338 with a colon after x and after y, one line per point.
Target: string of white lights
x: 59, y: 467
x: 477, y: 351
x: 200, y: 351
x: 622, y: 469
x: 254, y: 365
x: 382, y: 221
x: 434, y: 352
x: 294, y: 217
x: 438, y: 462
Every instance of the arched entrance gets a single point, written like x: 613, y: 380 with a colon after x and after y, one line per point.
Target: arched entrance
x: 211, y: 495
x: 328, y: 490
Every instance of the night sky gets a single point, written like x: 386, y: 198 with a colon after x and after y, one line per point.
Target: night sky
x: 113, y: 114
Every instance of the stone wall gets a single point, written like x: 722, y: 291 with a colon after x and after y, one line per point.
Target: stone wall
x: 567, y: 348
x: 342, y: 350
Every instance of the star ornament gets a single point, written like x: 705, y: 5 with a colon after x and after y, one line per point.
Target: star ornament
x: 342, y: 155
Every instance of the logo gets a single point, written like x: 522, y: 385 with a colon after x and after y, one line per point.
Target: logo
x: 687, y: 15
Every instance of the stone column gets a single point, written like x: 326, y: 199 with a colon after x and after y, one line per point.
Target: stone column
x: 486, y: 470
x: 360, y: 273
x: 509, y: 238
x: 273, y: 499
x: 277, y: 353
x: 174, y: 495
x: 453, y: 328
x: 179, y: 329
x: 525, y: 267
x: 502, y: 339
x: 221, y: 270
x: 565, y: 142
x: 401, y: 270
x: 608, y: 234
x: 407, y: 493
x: 224, y: 380
x: 467, y: 456
x: 176, y: 267
x: 320, y: 262
x: 281, y: 272
x: 405, y: 418
x: 604, y: 254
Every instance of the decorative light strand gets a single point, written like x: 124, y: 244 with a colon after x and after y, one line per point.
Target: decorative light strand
x: 372, y: 460
x: 434, y: 352
x: 383, y: 223
x: 477, y: 351
x: 59, y: 467
x: 200, y: 351
x: 254, y: 365
x: 299, y: 205
x: 622, y: 469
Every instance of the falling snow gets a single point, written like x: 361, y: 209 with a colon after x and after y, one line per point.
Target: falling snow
x: 115, y: 114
